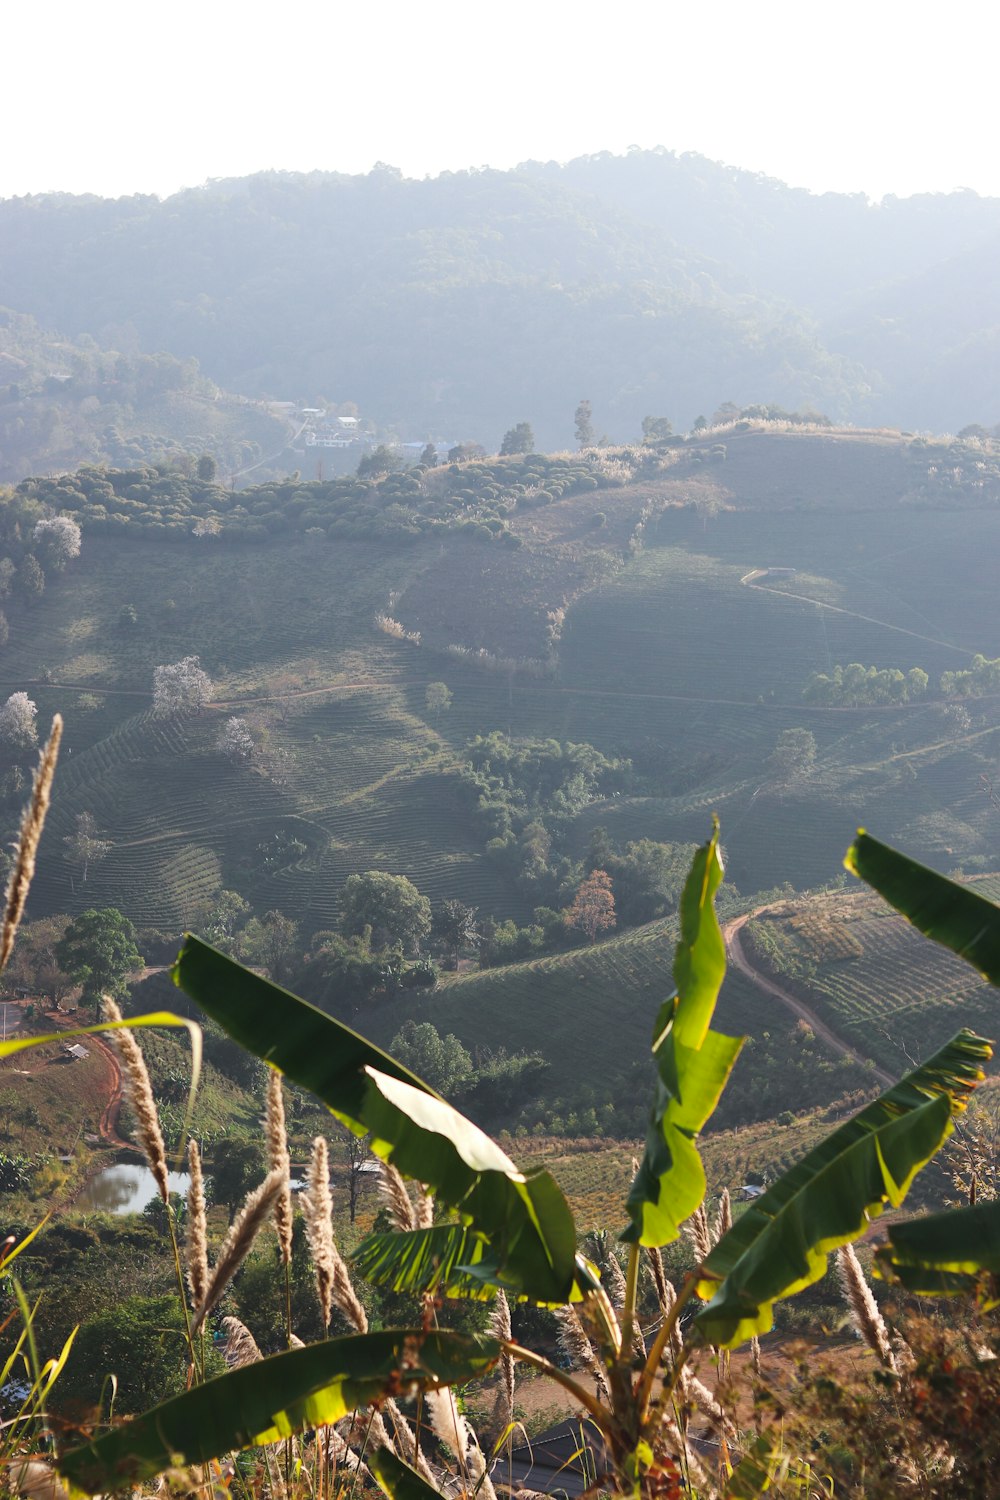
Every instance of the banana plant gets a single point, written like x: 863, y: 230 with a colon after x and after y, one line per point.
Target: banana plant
x: 512, y: 1230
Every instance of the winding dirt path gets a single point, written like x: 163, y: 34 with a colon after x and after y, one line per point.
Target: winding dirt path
x: 737, y: 955
x: 750, y: 581
x: 108, y: 1123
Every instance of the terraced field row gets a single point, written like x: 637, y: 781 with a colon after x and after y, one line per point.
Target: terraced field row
x: 894, y: 995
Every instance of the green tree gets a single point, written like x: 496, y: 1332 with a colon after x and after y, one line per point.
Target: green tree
x: 378, y: 462
x: 794, y: 756
x: 437, y: 698
x: 236, y: 1169
x: 98, y: 951
x: 390, y: 905
x: 454, y: 926
x: 584, y: 425
x: 519, y: 439
x: 441, y: 1060
x: 31, y: 579
x: 429, y: 457
x: 141, y: 1342
x: 207, y: 469
x: 270, y: 942
x: 656, y: 430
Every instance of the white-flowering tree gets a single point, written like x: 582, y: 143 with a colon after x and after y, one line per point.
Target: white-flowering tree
x: 85, y: 845
x: 180, y: 688
x: 17, y: 722
x: 236, y: 742
x: 58, y: 540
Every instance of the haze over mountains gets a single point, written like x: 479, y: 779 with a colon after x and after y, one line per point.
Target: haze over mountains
x: 456, y: 306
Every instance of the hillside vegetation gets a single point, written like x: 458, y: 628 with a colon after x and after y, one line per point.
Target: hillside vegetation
x: 651, y: 283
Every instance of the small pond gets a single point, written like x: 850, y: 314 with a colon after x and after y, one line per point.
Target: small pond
x: 125, y: 1188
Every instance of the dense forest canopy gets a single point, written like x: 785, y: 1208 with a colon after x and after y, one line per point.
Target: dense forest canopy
x: 461, y: 304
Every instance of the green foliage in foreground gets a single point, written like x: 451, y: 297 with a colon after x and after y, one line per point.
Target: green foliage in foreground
x: 513, y: 1230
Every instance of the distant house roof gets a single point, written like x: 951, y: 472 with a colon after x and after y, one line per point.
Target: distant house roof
x: 568, y: 1459
x: 75, y: 1050
x: 751, y: 1190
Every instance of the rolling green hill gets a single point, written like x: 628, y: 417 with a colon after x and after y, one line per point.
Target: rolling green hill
x: 614, y: 609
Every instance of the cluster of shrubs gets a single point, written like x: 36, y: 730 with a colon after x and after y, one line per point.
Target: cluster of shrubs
x: 472, y: 499
x: 855, y: 686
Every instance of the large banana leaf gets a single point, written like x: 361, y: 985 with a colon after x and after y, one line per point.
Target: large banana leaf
x: 940, y: 908
x: 693, y: 1064
x: 425, y: 1260
x: 946, y: 1253
x: 399, y: 1481
x: 269, y: 1400
x: 524, y: 1218
x: 781, y: 1243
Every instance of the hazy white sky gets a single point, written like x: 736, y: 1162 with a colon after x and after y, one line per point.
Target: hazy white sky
x: 122, y: 96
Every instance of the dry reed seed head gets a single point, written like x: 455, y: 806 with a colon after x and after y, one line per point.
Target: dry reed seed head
x: 405, y: 1443
x: 447, y: 1423
x: 865, y: 1316
x: 35, y: 1480
x: 278, y: 1160
x: 755, y: 1364
x: 392, y: 1191
x: 723, y: 1218
x: 500, y: 1329
x: 424, y: 1212
x: 697, y: 1232
x: 240, y: 1347
x: 27, y: 845
x: 238, y: 1243
x: 197, y: 1228
x: 659, y: 1277
x: 614, y: 1280
x: 140, y: 1092
x: 317, y: 1207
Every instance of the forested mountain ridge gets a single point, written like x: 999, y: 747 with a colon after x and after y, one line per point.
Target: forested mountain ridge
x: 455, y: 306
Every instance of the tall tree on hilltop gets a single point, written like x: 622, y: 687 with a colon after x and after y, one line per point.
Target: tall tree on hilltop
x: 584, y: 425
x: 519, y: 439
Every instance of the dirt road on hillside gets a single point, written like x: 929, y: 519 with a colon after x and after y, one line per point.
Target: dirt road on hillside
x: 734, y: 949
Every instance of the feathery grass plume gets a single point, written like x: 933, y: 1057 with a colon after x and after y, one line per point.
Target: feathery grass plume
x: 424, y: 1211
x: 344, y: 1295
x: 197, y: 1228
x: 697, y: 1232
x: 317, y: 1208
x: 278, y: 1160
x: 27, y: 844
x: 392, y: 1191
x: 140, y: 1092
x: 35, y: 1480
x: 238, y: 1242
x: 659, y: 1277
x: 240, y: 1347
x: 405, y: 1442
x: 755, y: 1363
x: 711, y: 1406
x: 577, y: 1348
x: 614, y: 1280
x: 723, y: 1218
x: 447, y: 1423
x: 865, y: 1315
x: 500, y: 1329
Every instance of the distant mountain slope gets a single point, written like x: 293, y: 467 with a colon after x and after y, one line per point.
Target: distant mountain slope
x: 455, y: 306
x: 67, y: 402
